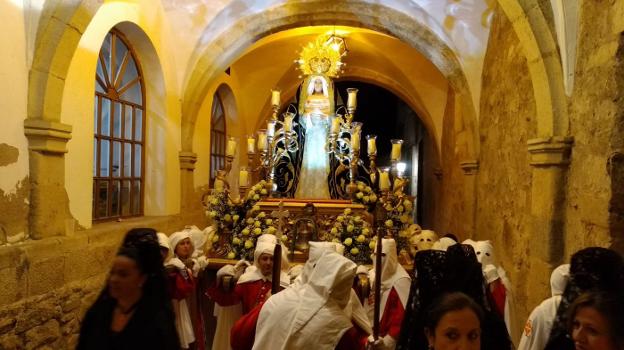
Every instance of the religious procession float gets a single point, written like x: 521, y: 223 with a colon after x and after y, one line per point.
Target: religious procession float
x: 306, y: 179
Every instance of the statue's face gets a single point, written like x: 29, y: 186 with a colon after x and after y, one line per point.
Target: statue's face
x: 318, y: 85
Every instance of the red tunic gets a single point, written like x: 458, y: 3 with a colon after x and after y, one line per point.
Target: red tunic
x: 249, y: 294
x: 390, y: 323
x: 181, y: 287
x: 499, y: 294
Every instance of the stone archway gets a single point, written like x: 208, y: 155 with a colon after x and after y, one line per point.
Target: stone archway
x: 216, y: 53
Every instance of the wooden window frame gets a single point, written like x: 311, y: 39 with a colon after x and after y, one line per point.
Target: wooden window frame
x: 114, y: 97
x: 213, y: 132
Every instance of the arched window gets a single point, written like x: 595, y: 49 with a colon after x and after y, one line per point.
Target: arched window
x: 217, y: 137
x: 119, y: 131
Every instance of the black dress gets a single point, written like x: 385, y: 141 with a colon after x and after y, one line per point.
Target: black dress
x: 150, y: 327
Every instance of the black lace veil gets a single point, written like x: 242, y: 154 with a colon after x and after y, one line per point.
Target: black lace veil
x: 438, y: 272
x: 590, y: 269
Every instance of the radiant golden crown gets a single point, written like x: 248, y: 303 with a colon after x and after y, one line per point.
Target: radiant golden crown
x: 320, y: 57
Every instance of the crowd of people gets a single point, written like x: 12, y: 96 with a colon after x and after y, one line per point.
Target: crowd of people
x: 456, y: 297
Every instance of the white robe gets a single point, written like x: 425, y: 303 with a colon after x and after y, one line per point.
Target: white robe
x: 537, y: 329
x: 312, y: 316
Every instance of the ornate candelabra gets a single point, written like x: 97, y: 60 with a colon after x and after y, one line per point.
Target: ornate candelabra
x: 280, y: 142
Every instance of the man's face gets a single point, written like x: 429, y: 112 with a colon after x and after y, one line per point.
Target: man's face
x: 266, y: 264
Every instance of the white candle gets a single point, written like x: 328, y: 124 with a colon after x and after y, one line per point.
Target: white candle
x: 243, y: 178
x: 396, y: 151
x: 355, y: 141
x: 352, y: 100
x: 384, y: 181
x: 335, y: 126
x: 251, y: 145
x: 271, y: 128
x: 231, y: 147
x: 262, y: 141
x: 372, y: 146
x: 275, y: 97
x: 288, y: 122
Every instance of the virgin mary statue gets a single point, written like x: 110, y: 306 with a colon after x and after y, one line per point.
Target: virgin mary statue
x: 316, y: 106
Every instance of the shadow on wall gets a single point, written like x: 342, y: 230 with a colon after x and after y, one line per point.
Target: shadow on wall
x: 615, y: 163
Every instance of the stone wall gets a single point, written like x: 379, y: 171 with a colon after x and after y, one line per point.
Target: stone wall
x: 504, y: 178
x: 596, y: 110
x: 47, y: 285
x: 453, y: 213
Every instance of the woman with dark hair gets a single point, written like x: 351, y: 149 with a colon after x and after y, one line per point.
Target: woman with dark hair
x: 591, y: 269
x: 454, y: 322
x: 596, y: 321
x: 437, y: 272
x: 133, y: 310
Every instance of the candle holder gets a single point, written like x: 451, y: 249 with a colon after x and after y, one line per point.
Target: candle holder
x: 371, y: 142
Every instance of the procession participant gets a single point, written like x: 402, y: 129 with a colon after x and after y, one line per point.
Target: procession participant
x: 395, y: 287
x: 313, y: 315
x: 182, y: 271
x: 163, y: 243
x: 591, y: 269
x: 499, y: 286
x: 538, y: 326
x: 133, y: 310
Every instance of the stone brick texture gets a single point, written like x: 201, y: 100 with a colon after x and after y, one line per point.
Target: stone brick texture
x: 596, y: 112
x: 507, y: 122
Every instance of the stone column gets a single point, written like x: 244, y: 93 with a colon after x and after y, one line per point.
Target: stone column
x: 49, y: 204
x: 187, y: 183
x: 470, y: 169
x: 549, y: 161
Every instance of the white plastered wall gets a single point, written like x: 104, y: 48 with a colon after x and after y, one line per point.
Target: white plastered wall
x: 13, y: 92
x: 144, y: 22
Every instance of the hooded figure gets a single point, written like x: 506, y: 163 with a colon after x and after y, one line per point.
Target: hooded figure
x: 443, y: 243
x: 312, y: 316
x: 395, y: 287
x: 425, y: 240
x: 499, y: 284
x: 538, y: 326
x: 354, y: 308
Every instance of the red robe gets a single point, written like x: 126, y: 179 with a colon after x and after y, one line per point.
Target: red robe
x: 184, y: 288
x: 249, y: 294
x: 390, y: 323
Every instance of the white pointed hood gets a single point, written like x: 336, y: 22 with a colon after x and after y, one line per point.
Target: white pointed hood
x: 392, y: 274
x: 312, y: 316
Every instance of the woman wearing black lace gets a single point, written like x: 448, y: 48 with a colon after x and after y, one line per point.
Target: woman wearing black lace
x: 439, y: 272
x: 591, y: 270
x: 133, y: 310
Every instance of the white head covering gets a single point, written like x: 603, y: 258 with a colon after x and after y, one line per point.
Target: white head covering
x: 425, y: 239
x: 312, y: 83
x: 316, y: 251
x: 559, y: 279
x: 392, y: 274
x: 443, y: 243
x: 163, y: 240
x: 312, y: 316
x: 485, y: 252
x: 176, y: 238
x: 198, y: 238
x: 265, y: 245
